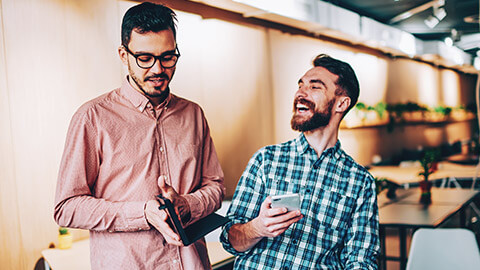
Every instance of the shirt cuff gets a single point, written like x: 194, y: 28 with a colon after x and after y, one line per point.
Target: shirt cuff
x: 196, y: 207
x: 226, y: 243
x: 135, y: 219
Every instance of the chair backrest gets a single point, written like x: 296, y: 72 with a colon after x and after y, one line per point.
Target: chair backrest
x: 443, y: 249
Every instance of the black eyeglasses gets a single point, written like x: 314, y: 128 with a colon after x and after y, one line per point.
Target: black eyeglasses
x: 147, y: 60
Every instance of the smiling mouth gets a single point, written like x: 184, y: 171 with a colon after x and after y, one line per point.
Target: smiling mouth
x: 156, y: 82
x: 302, y: 106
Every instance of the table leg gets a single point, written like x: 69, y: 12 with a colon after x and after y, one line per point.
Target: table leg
x: 403, y: 248
x: 463, y: 218
x: 383, y: 251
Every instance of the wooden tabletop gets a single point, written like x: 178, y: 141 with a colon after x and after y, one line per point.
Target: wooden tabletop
x: 415, y: 215
x: 406, y: 210
x: 410, y: 174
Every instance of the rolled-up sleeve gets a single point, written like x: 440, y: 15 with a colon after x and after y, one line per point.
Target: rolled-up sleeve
x: 247, y: 199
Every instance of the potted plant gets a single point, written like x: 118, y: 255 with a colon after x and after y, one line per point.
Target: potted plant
x: 429, y: 165
x: 65, y: 239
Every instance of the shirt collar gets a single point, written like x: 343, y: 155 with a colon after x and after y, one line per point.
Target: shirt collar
x: 304, y: 147
x: 138, y: 100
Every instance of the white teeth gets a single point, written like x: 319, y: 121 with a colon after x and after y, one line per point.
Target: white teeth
x: 301, y: 106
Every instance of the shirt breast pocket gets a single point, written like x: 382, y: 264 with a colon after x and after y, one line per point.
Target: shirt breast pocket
x: 333, y: 210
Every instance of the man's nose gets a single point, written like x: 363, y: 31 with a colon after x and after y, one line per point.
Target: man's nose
x: 157, y: 67
x: 301, y: 91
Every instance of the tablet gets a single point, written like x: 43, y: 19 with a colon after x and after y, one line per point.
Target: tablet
x: 195, y: 231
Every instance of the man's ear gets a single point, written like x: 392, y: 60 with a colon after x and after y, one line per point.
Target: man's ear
x: 343, y: 104
x: 123, y: 55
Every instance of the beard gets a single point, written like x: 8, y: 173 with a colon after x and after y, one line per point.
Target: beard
x: 317, y: 120
x: 141, y: 85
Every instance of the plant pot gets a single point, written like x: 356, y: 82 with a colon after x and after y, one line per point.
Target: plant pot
x: 65, y: 241
x: 426, y: 195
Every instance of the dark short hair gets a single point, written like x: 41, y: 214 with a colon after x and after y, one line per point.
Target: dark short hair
x: 147, y: 17
x: 347, y: 82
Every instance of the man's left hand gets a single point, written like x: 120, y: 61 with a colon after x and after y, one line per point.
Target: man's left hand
x: 181, y: 204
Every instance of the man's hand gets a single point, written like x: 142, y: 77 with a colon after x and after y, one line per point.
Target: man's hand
x: 158, y: 219
x: 271, y: 222
x: 181, y: 204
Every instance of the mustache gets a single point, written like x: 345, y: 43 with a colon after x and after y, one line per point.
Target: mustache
x: 305, y: 102
x: 163, y: 76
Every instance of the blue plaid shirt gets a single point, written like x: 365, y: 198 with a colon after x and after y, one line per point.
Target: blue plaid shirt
x: 339, y: 229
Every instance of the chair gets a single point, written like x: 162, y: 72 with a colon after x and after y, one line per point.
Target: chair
x: 443, y: 249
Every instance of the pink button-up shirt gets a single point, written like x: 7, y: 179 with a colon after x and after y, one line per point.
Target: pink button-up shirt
x: 117, y: 146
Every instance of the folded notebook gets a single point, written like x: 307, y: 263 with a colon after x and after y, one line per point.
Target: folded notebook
x: 194, y: 231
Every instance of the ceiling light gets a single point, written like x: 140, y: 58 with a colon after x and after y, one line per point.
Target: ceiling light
x: 431, y: 21
x: 449, y: 41
x: 440, y: 13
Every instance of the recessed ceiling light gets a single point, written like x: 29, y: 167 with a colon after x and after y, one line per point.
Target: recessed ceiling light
x: 449, y: 41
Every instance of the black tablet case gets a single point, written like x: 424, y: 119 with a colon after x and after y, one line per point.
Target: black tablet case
x: 194, y: 231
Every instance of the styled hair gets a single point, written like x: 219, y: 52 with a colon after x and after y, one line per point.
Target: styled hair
x: 147, y: 17
x: 347, y: 82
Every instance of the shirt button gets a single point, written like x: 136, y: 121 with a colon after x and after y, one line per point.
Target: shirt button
x: 161, y: 149
x: 174, y: 261
x: 308, y: 190
x: 295, y: 241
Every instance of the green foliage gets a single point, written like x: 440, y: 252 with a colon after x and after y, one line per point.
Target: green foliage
x: 380, y: 108
x: 360, y: 106
x: 62, y: 231
x: 445, y: 110
x: 430, y: 156
x: 400, y: 108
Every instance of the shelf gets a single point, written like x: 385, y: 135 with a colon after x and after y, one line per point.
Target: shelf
x: 401, y: 123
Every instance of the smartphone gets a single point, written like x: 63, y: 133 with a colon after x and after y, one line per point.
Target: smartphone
x: 289, y: 201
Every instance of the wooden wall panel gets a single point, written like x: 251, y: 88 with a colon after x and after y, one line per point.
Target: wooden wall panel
x: 232, y: 85
x: 58, y: 55
x: 11, y: 255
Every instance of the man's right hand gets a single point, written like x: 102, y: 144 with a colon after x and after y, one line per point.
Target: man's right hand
x: 158, y: 219
x: 271, y: 222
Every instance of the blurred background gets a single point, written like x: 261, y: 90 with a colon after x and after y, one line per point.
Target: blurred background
x: 241, y: 61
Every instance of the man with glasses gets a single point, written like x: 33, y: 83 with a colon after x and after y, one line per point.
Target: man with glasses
x: 335, y: 223
x: 133, y: 143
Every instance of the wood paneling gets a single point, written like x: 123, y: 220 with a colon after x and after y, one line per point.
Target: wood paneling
x: 232, y: 85
x: 11, y: 249
x: 57, y: 54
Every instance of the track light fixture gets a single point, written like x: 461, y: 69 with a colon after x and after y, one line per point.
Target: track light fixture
x: 439, y: 13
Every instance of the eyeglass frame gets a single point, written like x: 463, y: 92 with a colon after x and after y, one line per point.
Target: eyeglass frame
x: 159, y: 58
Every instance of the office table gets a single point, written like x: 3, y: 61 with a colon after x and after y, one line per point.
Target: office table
x: 407, y: 175
x: 406, y: 212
